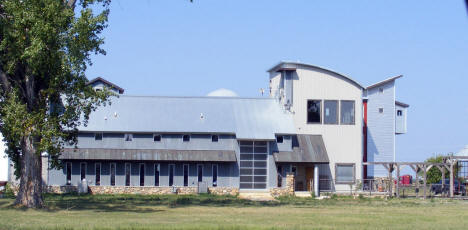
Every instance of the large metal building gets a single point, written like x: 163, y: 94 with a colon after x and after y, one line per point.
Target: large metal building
x: 317, y: 127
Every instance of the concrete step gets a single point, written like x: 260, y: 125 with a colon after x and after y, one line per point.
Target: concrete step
x: 302, y: 194
x: 256, y: 195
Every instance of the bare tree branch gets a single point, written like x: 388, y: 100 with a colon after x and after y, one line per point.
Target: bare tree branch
x: 71, y: 3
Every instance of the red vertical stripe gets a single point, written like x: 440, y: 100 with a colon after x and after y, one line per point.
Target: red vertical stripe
x: 364, y: 132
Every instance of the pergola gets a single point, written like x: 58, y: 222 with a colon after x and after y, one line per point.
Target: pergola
x: 417, y: 167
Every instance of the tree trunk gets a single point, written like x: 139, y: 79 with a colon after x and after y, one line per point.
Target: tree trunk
x: 30, y: 192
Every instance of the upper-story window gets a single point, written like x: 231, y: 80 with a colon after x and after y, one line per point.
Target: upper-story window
x: 380, y: 110
x: 380, y: 90
x: 399, y: 113
x: 186, y: 138
x: 347, y: 112
x: 314, y: 111
x: 98, y: 136
x: 331, y: 112
x: 279, y: 139
x: 214, y: 138
x: 128, y: 137
x: 156, y: 138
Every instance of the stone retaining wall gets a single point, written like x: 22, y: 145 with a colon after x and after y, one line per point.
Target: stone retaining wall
x: 287, y: 190
x: 223, y: 191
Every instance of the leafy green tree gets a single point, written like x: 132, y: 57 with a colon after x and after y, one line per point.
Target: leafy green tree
x: 434, y: 175
x: 45, y: 47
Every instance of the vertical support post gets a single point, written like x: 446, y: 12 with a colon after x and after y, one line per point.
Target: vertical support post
x: 443, y: 180
x: 316, y: 180
x: 417, y: 181
x: 398, y: 180
x: 425, y: 180
x: 390, y: 185
x: 451, y: 177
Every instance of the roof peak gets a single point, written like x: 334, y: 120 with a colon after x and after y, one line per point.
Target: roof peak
x: 384, y: 82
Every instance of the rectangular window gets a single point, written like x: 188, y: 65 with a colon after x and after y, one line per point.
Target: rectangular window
x: 347, y: 112
x: 142, y: 174
x: 127, y: 174
x: 112, y: 174
x: 344, y: 173
x: 128, y: 137
x: 186, y: 175
x: 280, y: 176
x: 69, y: 172
x: 82, y: 171
x: 171, y: 175
x: 331, y: 112
x: 314, y: 111
x: 157, y: 138
x: 380, y: 110
x: 98, y: 136
x: 214, y: 138
x: 156, y: 175
x: 279, y: 139
x: 200, y: 173
x: 97, y: 168
x: 215, y: 175
x: 186, y: 138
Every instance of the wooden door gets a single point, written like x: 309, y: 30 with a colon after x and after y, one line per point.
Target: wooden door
x: 309, y: 178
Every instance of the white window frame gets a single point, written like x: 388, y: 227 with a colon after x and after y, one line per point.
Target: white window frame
x: 129, y: 175
x: 157, y: 167
x: 139, y: 173
x: 188, y: 174
x: 169, y: 174
x: 202, y: 173
x: 100, y: 173
x: 85, y: 170
x: 336, y: 173
x: 110, y: 173
x: 341, y: 115
x: 66, y: 173
x: 217, y: 175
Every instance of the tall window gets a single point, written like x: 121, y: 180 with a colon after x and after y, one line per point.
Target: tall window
x: 112, y: 174
x: 399, y: 113
x: 200, y: 173
x: 97, y: 168
x: 344, y: 173
x: 215, y: 175
x: 314, y: 111
x: 156, y: 175
x: 82, y: 171
x: 142, y: 174
x: 347, y: 112
x: 280, y: 176
x: 69, y: 172
x: 186, y: 175
x: 331, y: 112
x: 127, y: 174
x: 171, y: 175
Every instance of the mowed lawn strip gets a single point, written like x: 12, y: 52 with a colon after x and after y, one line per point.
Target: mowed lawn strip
x: 218, y: 212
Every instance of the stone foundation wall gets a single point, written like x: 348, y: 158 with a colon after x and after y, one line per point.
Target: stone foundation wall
x: 287, y: 190
x: 223, y: 191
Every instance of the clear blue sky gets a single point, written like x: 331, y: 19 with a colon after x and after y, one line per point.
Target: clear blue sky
x: 173, y: 47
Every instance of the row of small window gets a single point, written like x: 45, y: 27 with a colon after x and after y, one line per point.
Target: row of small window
x: 330, y: 112
x: 156, y: 137
x: 171, y: 173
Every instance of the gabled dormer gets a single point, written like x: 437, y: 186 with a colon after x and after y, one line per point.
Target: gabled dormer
x: 100, y: 83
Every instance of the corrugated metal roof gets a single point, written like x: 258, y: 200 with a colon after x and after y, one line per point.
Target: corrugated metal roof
x: 149, y: 155
x: 248, y: 118
x: 307, y: 149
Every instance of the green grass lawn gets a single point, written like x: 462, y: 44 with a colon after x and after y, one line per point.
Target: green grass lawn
x: 218, y: 212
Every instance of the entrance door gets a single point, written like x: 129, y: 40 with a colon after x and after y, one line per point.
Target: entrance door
x: 253, y: 164
x: 309, y: 178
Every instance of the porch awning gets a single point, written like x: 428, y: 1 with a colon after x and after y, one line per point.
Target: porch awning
x: 149, y: 155
x: 306, y: 149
